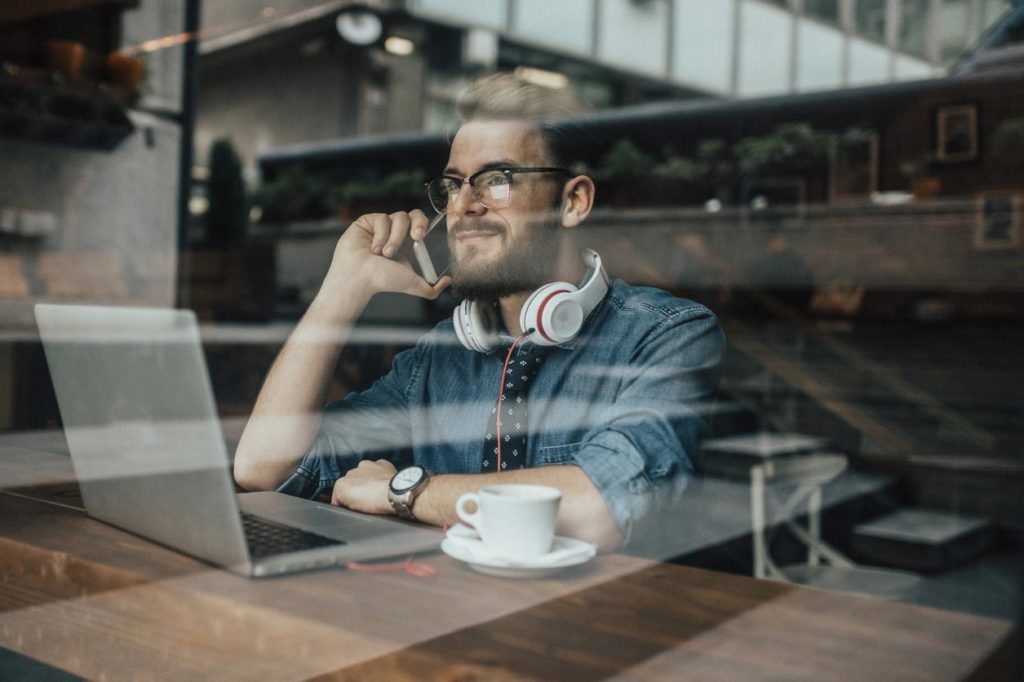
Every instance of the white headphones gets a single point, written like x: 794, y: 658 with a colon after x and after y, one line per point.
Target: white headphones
x: 555, y: 312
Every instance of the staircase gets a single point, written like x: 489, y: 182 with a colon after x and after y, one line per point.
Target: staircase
x: 908, y: 402
x: 942, y: 408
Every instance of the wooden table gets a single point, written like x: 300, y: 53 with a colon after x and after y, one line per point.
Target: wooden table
x: 711, y: 513
x: 87, y: 598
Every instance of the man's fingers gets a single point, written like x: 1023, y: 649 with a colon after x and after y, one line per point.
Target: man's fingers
x: 400, y: 224
x: 441, y: 285
x: 381, y: 225
x: 420, y: 222
x: 389, y: 231
x: 336, y: 493
x: 430, y: 292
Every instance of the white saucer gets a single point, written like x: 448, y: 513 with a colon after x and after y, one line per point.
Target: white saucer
x: 565, y: 552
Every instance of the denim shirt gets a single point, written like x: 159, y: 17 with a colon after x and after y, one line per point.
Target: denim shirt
x: 622, y: 401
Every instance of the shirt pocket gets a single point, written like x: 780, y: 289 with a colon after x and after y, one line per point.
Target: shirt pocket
x: 558, y: 454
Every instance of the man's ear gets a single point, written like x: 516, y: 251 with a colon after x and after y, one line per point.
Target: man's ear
x: 577, y: 200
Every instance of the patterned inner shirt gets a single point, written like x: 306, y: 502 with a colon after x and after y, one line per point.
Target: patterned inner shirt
x: 522, y: 368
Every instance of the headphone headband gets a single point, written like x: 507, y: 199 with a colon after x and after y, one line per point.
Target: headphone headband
x: 592, y: 292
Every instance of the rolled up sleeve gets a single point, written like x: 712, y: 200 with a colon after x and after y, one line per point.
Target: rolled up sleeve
x: 640, y: 456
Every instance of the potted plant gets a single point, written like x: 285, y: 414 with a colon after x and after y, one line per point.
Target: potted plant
x: 227, y: 218
x: 918, y: 171
x: 789, y: 149
x: 625, y: 170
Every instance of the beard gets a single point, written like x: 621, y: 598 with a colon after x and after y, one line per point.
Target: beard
x: 527, y: 263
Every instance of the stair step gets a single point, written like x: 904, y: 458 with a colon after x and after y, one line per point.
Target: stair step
x: 923, y: 540
x: 765, y: 444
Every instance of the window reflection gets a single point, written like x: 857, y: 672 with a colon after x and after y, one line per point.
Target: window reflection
x: 823, y: 9
x: 914, y: 22
x: 870, y: 18
x: 839, y: 182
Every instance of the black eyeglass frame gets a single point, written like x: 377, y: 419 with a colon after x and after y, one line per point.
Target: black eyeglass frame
x: 507, y: 171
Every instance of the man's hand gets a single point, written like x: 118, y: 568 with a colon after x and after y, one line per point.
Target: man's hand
x: 365, y: 488
x: 366, y: 255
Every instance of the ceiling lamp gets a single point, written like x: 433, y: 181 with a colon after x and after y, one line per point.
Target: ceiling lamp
x: 542, y: 77
x: 399, y: 46
x: 359, y: 25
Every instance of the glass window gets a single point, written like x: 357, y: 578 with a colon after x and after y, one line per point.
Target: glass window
x: 819, y: 56
x: 567, y: 24
x: 991, y: 10
x: 489, y: 14
x: 859, y: 429
x: 764, y: 49
x: 954, y: 27
x: 869, y: 19
x: 869, y: 63
x: 913, y: 26
x: 823, y: 9
x: 703, y: 43
x: 632, y: 35
x: 908, y: 68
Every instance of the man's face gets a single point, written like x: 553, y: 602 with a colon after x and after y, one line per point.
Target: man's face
x: 500, y: 251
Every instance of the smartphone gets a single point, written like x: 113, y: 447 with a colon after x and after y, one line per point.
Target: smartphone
x: 431, y: 254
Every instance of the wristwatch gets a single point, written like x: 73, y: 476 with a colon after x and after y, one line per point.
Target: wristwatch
x: 405, y: 486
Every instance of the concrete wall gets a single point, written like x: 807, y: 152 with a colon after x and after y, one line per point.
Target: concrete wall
x: 104, y: 224
x: 304, y: 88
x: 295, y: 92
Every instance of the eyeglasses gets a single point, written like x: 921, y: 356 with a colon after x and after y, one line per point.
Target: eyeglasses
x: 492, y: 188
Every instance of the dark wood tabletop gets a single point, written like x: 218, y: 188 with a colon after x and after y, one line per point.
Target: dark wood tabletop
x: 87, y: 598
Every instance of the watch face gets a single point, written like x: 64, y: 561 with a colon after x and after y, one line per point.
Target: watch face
x: 406, y: 478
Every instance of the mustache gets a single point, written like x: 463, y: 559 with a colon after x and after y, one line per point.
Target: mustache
x: 474, y: 224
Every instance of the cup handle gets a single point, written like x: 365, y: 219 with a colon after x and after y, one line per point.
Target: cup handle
x: 460, y: 505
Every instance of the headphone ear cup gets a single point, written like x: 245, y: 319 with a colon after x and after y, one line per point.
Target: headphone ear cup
x: 476, y: 326
x: 553, y: 313
x: 459, y: 315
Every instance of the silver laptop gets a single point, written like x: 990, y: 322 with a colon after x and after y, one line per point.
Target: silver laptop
x: 149, y: 454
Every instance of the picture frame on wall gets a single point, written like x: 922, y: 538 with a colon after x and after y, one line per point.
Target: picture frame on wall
x: 956, y: 133
x: 997, y: 221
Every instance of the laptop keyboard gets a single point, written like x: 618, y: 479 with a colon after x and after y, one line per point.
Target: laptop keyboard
x: 267, y: 538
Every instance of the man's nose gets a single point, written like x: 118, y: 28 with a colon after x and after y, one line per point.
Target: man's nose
x: 466, y: 201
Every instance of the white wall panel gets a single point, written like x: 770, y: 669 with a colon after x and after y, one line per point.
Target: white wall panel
x: 634, y: 36
x: 908, y: 68
x: 765, y: 34
x: 562, y: 24
x: 869, y: 63
x: 702, y: 51
x: 819, y: 56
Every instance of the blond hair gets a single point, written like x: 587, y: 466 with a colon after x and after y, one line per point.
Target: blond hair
x: 505, y: 96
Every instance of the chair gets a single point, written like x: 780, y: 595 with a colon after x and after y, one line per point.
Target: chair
x: 802, y: 478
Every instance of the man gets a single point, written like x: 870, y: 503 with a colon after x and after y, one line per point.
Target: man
x: 608, y: 415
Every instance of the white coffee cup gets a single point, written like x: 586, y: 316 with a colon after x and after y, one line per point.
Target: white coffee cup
x: 514, y: 521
